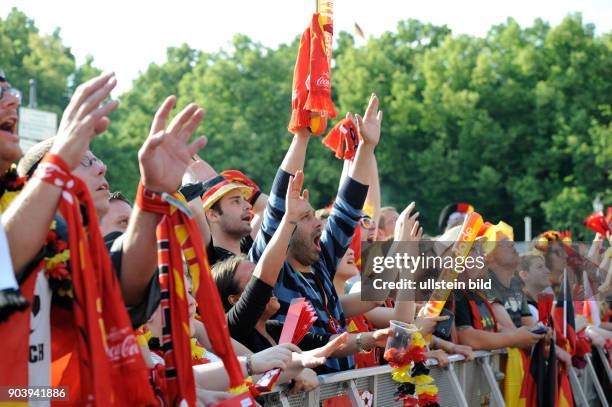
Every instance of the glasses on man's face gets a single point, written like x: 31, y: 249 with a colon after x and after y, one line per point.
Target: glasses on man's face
x: 89, y: 161
x: 9, y: 90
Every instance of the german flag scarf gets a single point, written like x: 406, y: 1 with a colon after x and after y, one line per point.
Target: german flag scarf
x: 311, y: 90
x: 178, y: 236
x: 94, y: 350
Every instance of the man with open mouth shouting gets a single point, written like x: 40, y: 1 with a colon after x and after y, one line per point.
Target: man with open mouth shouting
x: 10, y: 298
x: 10, y: 98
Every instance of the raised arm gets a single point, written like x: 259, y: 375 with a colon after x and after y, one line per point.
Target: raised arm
x: 163, y: 158
x: 351, y: 196
x: 296, y: 155
x: 368, y: 128
x: 275, y: 208
x: 33, y: 209
x: 372, y: 202
x: 274, y: 255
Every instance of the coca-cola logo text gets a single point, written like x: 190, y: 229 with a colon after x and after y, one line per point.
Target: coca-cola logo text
x: 323, y: 82
x: 126, y: 348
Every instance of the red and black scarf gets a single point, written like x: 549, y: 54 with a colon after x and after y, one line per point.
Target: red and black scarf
x: 343, y: 139
x: 94, y: 350
x: 311, y: 90
x: 178, y: 236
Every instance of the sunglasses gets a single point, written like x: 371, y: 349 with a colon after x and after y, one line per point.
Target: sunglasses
x: 367, y: 222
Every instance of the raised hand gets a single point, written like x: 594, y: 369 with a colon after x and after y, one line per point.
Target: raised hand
x: 407, y: 227
x: 84, y: 119
x: 198, y: 171
x: 368, y: 127
x: 296, y: 201
x: 166, y: 153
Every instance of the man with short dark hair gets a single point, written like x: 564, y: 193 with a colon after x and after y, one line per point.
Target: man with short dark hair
x: 117, y: 218
x: 315, y: 251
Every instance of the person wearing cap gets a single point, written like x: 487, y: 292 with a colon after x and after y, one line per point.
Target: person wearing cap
x: 476, y: 321
x: 228, y: 207
x: 551, y: 244
x: 453, y: 215
x: 506, y: 288
x: 315, y: 252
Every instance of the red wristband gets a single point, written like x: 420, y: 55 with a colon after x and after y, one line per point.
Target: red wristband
x: 53, y: 170
x: 150, y: 201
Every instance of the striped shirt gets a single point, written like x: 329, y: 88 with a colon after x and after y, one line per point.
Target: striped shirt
x: 334, y: 241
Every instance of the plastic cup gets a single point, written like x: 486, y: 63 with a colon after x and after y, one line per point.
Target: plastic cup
x: 399, y: 340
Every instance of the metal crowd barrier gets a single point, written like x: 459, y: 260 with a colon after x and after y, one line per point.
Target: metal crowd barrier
x: 462, y: 384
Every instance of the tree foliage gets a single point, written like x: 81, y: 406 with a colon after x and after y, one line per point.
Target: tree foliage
x: 516, y: 122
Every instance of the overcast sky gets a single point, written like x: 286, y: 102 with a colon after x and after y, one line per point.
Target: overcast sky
x: 125, y: 36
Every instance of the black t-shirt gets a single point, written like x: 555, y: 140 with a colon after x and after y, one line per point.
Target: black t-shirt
x: 512, y: 298
x: 217, y: 254
x: 464, y: 315
x: 243, y: 316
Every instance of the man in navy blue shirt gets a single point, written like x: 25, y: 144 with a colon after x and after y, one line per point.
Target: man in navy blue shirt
x: 315, y: 251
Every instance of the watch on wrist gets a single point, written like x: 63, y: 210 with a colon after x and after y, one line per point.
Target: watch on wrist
x: 359, y: 345
x: 249, y: 365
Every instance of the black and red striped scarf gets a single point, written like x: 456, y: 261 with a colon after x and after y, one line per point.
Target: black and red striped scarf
x: 178, y: 236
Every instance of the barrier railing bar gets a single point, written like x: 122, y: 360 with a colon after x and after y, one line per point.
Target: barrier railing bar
x: 284, y: 400
x: 577, y: 388
x: 353, y: 394
x: 374, y: 391
x: 353, y: 374
x: 313, y: 397
x: 606, y: 362
x: 373, y: 371
x: 598, y: 389
x: 493, y: 385
x: 457, y: 390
